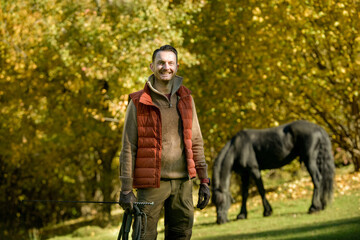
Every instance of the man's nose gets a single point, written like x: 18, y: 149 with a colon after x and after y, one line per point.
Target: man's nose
x: 166, y: 66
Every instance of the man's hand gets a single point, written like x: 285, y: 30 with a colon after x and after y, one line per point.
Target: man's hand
x: 204, y: 196
x: 126, y: 200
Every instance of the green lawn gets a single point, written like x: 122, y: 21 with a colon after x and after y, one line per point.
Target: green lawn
x: 289, y: 221
x: 341, y: 220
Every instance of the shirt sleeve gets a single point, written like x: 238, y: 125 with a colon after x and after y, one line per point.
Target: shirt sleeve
x: 198, y: 146
x: 129, y: 148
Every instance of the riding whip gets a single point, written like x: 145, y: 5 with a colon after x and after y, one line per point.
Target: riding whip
x: 103, y: 202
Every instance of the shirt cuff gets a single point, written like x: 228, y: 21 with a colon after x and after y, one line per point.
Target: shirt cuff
x: 205, y: 180
x: 202, y: 173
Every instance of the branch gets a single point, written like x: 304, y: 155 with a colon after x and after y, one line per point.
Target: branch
x: 325, y: 117
x: 98, y: 6
x: 106, y: 119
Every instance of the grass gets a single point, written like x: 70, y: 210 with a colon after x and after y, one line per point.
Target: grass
x: 341, y: 219
x: 289, y: 221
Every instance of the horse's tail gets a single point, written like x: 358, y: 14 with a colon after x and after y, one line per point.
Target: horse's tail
x: 325, y: 163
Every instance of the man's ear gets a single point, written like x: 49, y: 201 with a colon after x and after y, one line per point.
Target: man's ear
x: 152, y: 67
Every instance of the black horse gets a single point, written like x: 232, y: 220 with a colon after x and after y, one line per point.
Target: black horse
x: 251, y: 151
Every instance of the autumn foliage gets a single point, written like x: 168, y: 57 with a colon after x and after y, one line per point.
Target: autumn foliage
x: 66, y: 68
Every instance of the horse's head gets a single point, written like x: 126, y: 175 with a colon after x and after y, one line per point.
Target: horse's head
x: 222, y: 201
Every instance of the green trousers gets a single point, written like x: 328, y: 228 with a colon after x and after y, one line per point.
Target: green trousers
x: 176, y: 198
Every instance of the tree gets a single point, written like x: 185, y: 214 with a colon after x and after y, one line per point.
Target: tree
x: 66, y: 70
x: 276, y: 61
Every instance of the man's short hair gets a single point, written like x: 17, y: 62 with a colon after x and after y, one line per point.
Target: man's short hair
x: 165, y: 48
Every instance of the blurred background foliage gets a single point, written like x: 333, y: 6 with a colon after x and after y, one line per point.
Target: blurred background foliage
x: 67, y: 67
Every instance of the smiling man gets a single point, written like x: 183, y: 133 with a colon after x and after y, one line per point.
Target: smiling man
x: 164, y: 66
x: 162, y: 150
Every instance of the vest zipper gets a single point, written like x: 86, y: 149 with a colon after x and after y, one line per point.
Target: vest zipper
x: 169, y: 100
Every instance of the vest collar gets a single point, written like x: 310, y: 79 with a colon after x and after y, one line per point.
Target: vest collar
x: 145, y: 98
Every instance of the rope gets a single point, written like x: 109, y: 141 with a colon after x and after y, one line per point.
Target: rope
x: 140, y: 220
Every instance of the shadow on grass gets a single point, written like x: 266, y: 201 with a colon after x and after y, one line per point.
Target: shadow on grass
x: 207, y: 224
x: 65, y: 229
x: 348, y: 229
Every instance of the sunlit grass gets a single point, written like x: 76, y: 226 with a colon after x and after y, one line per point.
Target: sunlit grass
x: 341, y: 220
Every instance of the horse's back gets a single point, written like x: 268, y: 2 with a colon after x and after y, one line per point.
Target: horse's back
x: 306, y: 133
x: 273, y: 147
x: 277, y: 146
x: 307, y: 136
x: 304, y: 127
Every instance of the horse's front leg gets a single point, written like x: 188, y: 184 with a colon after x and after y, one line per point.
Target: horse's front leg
x: 244, y: 193
x: 260, y: 186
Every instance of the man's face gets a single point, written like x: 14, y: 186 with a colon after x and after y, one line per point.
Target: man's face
x: 164, y: 66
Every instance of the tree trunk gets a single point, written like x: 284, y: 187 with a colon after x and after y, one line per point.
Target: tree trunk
x: 356, y: 160
x: 106, y: 188
x: 107, y: 176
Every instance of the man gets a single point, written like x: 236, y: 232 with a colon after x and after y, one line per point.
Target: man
x: 163, y: 150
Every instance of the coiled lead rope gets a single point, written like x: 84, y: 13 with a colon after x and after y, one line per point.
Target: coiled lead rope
x: 140, y: 221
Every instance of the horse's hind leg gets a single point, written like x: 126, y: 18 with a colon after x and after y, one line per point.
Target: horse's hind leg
x: 310, y: 163
x: 244, y: 193
x: 259, y: 183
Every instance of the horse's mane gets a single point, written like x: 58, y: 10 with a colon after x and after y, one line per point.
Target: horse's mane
x: 217, y: 167
x: 223, y: 164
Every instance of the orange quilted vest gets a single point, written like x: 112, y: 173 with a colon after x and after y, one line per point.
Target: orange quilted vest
x: 148, y: 157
